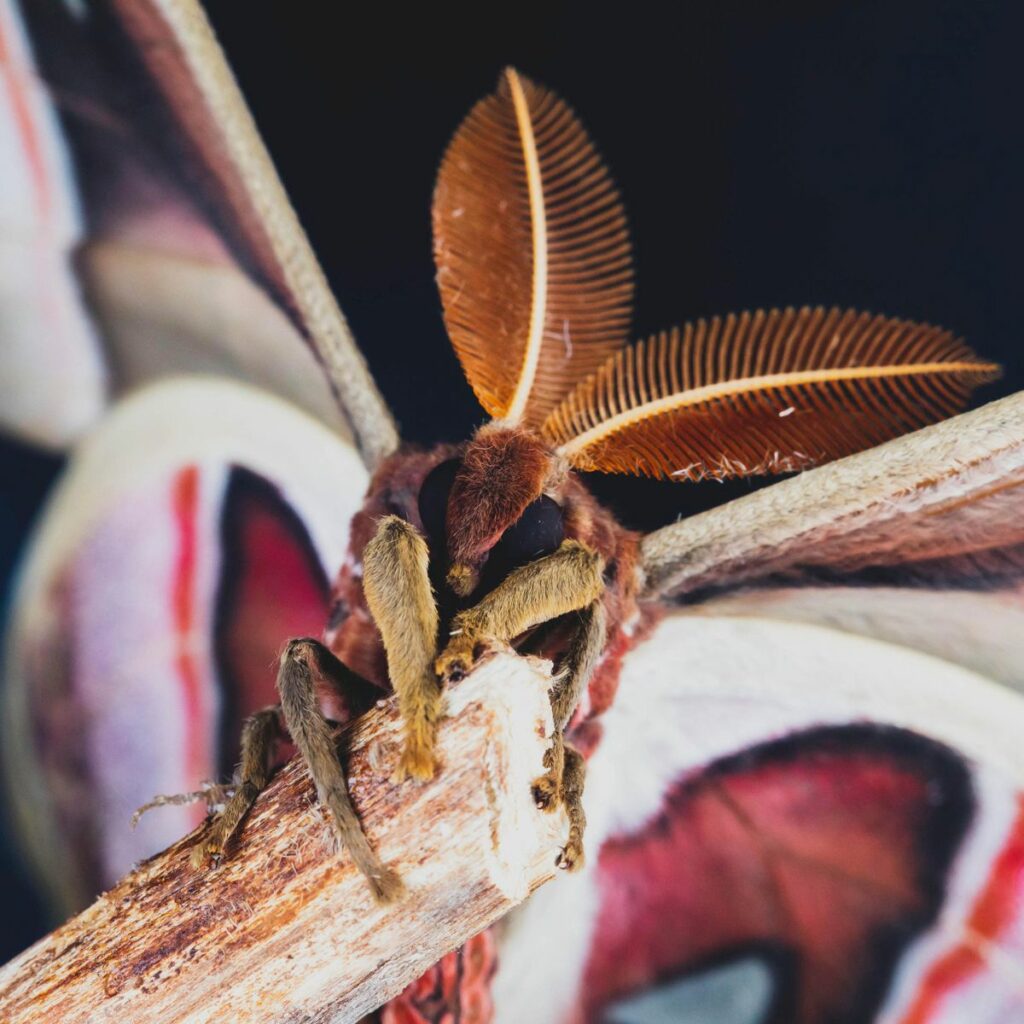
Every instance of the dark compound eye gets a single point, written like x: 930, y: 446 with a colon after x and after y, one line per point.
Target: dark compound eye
x: 433, y: 499
x: 538, y: 532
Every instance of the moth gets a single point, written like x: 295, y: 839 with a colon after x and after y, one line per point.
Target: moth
x: 796, y: 714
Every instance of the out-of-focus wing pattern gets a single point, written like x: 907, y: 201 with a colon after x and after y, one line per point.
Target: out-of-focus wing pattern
x: 52, y: 376
x: 196, y: 532
x: 951, y: 490
x: 919, y: 541
x: 192, y: 260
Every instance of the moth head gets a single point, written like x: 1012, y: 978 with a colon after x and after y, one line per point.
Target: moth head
x: 497, y: 500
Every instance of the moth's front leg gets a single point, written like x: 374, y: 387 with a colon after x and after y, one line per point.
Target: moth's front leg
x: 398, y: 593
x: 565, y: 581
x: 304, y: 664
x: 568, y: 580
x: 576, y: 669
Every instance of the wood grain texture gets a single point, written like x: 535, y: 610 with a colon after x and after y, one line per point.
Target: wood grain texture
x: 286, y: 929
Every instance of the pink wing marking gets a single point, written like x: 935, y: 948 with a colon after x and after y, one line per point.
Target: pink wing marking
x: 185, y: 498
x: 995, y: 911
x: 16, y: 77
x: 52, y: 377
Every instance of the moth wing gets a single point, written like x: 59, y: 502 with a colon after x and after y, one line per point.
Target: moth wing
x: 918, y: 542
x: 52, y: 372
x: 197, y: 529
x: 787, y: 822
x: 188, y: 254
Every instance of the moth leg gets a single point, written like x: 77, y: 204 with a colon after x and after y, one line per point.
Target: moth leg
x: 580, y: 662
x: 211, y: 794
x: 565, y: 581
x: 260, y: 734
x: 400, y: 598
x: 573, y: 776
x: 578, y: 666
x: 548, y: 787
x: 304, y: 662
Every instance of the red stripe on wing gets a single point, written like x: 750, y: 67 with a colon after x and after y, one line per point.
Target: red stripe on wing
x: 826, y: 853
x: 995, y: 910
x: 186, y: 505
x: 26, y: 126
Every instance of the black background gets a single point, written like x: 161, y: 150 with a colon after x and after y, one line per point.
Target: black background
x: 858, y: 153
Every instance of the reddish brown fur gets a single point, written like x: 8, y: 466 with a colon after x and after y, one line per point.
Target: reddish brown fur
x: 503, y: 471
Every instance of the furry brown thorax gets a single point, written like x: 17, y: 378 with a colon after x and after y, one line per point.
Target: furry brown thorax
x: 483, y: 490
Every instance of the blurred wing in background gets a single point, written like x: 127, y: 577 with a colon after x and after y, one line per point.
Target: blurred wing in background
x: 807, y: 804
x: 52, y: 372
x: 140, y: 208
x: 196, y: 531
x: 144, y: 234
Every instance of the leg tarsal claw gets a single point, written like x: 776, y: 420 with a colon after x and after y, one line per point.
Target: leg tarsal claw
x: 547, y: 789
x: 455, y: 661
x: 416, y: 761
x: 571, y: 856
x: 545, y: 792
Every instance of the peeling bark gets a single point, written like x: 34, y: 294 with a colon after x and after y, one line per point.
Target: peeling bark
x: 285, y: 929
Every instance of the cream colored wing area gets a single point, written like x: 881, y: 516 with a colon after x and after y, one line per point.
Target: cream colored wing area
x: 703, y: 687
x: 951, y: 491
x: 52, y: 379
x: 979, y: 629
x: 115, y: 685
x: 165, y: 312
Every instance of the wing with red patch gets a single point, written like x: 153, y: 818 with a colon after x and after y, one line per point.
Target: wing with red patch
x: 196, y: 532
x: 792, y: 823
x: 821, y: 855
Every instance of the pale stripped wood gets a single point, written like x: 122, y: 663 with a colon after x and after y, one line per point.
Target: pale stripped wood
x: 286, y: 928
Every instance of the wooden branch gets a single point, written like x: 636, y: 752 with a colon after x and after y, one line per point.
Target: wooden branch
x: 285, y: 929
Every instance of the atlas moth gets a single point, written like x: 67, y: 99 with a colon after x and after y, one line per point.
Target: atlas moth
x: 799, y: 711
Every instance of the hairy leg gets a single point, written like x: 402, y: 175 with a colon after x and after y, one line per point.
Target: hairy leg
x: 260, y: 734
x: 577, y: 668
x: 568, y: 580
x: 580, y: 662
x: 571, y: 858
x: 565, y: 581
x: 303, y: 662
x: 399, y: 596
x: 563, y: 783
